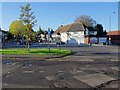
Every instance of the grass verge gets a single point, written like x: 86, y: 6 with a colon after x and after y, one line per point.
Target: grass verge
x: 34, y: 51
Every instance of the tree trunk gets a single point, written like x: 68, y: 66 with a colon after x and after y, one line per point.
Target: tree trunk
x: 28, y: 46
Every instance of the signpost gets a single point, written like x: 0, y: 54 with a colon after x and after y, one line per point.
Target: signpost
x: 49, y: 32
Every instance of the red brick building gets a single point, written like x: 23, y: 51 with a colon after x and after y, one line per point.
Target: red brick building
x: 114, y: 37
x: 96, y: 39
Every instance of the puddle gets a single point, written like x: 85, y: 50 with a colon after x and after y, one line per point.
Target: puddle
x: 101, y: 53
x: 30, y: 65
x: 8, y: 63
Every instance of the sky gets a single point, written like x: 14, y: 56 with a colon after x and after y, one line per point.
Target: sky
x: 53, y: 14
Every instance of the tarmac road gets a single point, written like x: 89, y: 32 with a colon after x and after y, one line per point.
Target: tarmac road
x: 88, y: 67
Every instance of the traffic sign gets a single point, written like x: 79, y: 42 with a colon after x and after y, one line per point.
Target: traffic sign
x: 49, y: 31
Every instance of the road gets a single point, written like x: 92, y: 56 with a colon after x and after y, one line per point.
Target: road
x: 89, y: 67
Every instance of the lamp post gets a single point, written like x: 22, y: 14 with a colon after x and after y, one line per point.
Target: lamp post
x: 110, y: 27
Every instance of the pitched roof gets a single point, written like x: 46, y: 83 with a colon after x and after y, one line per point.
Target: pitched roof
x: 117, y: 32
x: 70, y: 28
x: 3, y: 31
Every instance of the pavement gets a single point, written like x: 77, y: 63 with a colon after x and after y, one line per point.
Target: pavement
x: 43, y: 45
x: 94, y: 67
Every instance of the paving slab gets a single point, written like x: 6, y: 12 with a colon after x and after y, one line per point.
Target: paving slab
x: 94, y: 79
x: 113, y: 84
x: 74, y: 83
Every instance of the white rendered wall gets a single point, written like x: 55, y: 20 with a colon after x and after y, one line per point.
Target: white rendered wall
x: 72, y: 37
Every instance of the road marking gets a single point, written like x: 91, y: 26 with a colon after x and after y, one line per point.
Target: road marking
x: 8, y: 72
x: 41, y: 71
x: 60, y: 71
x: 114, y: 60
x: 50, y: 78
x: 115, y: 68
x: 14, y: 63
x: 28, y: 71
x: 78, y: 71
x: 75, y: 71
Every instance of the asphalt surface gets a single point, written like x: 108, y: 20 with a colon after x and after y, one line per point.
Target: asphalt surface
x: 89, y: 67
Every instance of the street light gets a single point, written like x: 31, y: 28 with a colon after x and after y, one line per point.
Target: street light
x: 110, y: 26
x: 110, y: 21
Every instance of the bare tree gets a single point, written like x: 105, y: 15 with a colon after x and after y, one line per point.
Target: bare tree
x: 86, y: 20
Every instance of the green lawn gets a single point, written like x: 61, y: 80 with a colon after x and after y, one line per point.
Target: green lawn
x: 35, y: 51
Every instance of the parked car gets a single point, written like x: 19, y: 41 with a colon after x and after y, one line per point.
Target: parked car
x: 60, y: 43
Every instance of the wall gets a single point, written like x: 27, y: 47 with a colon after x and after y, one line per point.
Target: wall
x: 64, y: 37
x: 72, y: 37
x: 0, y: 39
x: 93, y: 40
x: 115, y: 39
x: 76, y: 37
x: 102, y: 39
x: 86, y: 40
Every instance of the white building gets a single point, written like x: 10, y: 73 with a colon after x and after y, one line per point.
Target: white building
x: 71, y: 34
x: 2, y: 34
